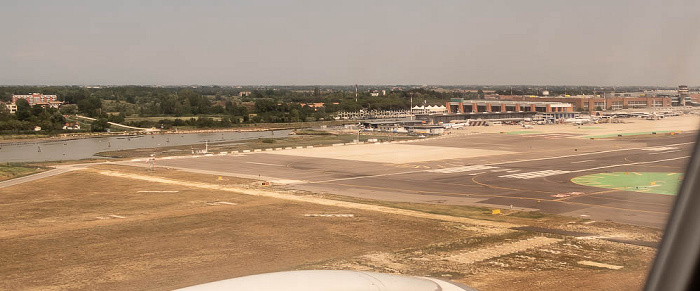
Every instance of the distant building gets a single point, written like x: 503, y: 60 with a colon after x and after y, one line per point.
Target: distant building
x: 430, y: 109
x: 683, y: 95
x: 39, y: 99
x: 425, y: 129
x: 592, y: 103
x: 389, y: 126
x: 694, y: 97
x: 35, y: 98
x: 459, y: 105
x: 315, y: 106
x: 244, y: 93
x: 11, y: 107
x: 71, y: 126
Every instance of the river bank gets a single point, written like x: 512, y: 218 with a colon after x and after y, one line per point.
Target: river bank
x: 77, y: 148
x: 30, y: 138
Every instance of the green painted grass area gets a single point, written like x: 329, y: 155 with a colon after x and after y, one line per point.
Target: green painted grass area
x: 645, y: 182
x: 627, y: 134
x: 523, y: 132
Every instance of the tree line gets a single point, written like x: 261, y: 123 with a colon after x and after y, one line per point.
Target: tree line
x: 27, y: 117
x: 214, y: 106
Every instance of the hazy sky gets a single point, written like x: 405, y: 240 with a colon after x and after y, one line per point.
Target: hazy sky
x: 581, y: 42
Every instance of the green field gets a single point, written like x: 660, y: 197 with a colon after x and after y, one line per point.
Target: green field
x: 646, y: 182
x: 12, y: 170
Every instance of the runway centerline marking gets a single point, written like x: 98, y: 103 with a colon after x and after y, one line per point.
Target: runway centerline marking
x: 629, y: 164
x: 368, y: 176
x: 668, y: 152
x: 584, y: 161
x: 579, y: 155
x: 462, y: 169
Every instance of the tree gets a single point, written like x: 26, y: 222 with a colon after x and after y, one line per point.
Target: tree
x: 90, y: 106
x: 119, y: 118
x: 24, y: 111
x: 99, y: 125
x: 69, y: 109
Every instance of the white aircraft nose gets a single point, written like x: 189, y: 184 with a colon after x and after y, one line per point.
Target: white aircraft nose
x: 330, y: 280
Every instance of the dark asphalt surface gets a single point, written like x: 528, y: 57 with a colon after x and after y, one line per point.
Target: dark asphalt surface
x: 537, y: 168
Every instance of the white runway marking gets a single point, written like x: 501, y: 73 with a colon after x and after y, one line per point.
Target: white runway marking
x: 600, y: 265
x: 629, y: 164
x: 221, y: 203
x: 329, y: 215
x: 584, y: 161
x: 579, y: 155
x: 537, y: 174
x: 266, y: 164
x: 659, y: 149
x: 668, y: 152
x: 156, y: 191
x: 546, y: 173
x: 461, y: 169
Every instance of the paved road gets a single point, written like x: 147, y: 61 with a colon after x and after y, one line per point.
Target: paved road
x: 535, y: 169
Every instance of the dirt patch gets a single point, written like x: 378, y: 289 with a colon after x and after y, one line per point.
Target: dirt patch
x: 554, y: 266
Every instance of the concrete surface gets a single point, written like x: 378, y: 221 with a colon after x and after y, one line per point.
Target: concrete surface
x: 531, y: 171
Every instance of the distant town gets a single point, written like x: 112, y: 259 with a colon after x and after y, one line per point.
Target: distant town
x: 61, y: 109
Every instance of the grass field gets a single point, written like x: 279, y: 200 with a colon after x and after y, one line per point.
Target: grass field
x: 11, y: 170
x: 646, y: 182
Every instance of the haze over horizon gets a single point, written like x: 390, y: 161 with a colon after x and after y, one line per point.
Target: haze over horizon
x: 601, y: 43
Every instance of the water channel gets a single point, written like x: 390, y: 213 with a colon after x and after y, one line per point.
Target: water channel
x: 84, y: 148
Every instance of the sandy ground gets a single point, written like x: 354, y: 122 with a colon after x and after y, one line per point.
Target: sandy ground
x: 123, y: 228
x: 390, y: 153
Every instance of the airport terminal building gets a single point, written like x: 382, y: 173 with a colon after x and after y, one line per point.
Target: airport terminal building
x: 592, y: 103
x: 459, y: 105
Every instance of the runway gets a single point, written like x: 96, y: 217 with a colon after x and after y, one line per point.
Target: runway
x: 527, y: 171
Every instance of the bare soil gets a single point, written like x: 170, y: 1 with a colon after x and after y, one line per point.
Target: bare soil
x: 123, y: 228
